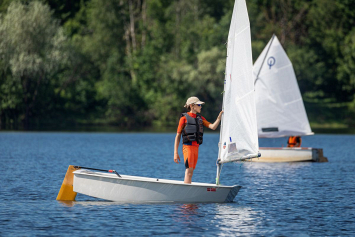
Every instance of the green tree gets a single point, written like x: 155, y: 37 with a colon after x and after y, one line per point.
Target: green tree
x: 134, y: 62
x: 31, y: 49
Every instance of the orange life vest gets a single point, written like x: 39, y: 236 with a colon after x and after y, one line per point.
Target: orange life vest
x: 292, y: 141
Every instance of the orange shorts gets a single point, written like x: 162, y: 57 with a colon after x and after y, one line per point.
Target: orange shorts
x: 190, y: 156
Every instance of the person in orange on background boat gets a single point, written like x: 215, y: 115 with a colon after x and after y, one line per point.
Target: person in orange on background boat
x: 191, y: 127
x: 294, y: 141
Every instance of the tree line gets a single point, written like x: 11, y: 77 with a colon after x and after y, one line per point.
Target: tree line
x: 133, y: 63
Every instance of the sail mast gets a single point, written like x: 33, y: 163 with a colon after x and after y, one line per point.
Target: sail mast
x: 238, y: 135
x: 261, y: 66
x: 219, y: 165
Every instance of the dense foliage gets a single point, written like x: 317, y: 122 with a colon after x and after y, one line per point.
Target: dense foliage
x: 134, y: 62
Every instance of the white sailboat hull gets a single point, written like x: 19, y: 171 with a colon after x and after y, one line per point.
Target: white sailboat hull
x: 132, y: 189
x: 288, y: 154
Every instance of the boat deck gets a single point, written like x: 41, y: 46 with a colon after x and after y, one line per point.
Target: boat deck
x: 145, y: 179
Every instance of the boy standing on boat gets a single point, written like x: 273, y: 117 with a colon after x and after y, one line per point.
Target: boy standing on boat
x: 191, y: 127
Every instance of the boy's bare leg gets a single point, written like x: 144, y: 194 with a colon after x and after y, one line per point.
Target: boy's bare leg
x: 188, y: 175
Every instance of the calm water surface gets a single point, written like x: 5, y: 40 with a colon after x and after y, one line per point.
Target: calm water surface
x: 289, y: 199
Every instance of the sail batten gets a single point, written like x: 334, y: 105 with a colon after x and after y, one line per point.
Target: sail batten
x: 238, y: 137
x: 279, y: 103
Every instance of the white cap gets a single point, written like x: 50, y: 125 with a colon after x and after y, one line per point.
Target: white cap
x: 193, y: 100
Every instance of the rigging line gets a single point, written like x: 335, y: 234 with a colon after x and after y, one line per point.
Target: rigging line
x: 110, y: 171
x: 257, y: 76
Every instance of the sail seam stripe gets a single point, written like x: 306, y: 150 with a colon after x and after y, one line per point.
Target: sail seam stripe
x: 240, y: 32
x: 247, y: 94
x: 294, y: 101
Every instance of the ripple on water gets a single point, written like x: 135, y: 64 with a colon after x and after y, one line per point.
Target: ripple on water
x: 289, y: 199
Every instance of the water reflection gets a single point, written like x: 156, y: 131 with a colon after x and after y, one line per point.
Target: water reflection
x: 232, y: 219
x: 265, y: 168
x: 289, y: 199
x: 189, y: 209
x: 187, y: 214
x: 223, y: 218
x: 67, y: 203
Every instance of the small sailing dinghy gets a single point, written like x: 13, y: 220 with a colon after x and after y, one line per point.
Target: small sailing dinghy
x: 134, y: 189
x: 238, y: 139
x: 279, y: 106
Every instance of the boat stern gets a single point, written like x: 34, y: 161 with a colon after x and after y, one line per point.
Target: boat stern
x: 317, y: 155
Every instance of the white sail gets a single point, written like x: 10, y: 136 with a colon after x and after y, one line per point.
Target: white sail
x: 279, y: 104
x: 239, y: 136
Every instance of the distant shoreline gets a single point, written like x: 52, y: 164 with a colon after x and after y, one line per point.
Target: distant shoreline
x: 317, y: 129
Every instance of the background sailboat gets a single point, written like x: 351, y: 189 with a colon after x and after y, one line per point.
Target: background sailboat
x: 279, y: 105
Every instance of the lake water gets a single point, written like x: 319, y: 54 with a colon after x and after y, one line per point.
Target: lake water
x: 289, y: 199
